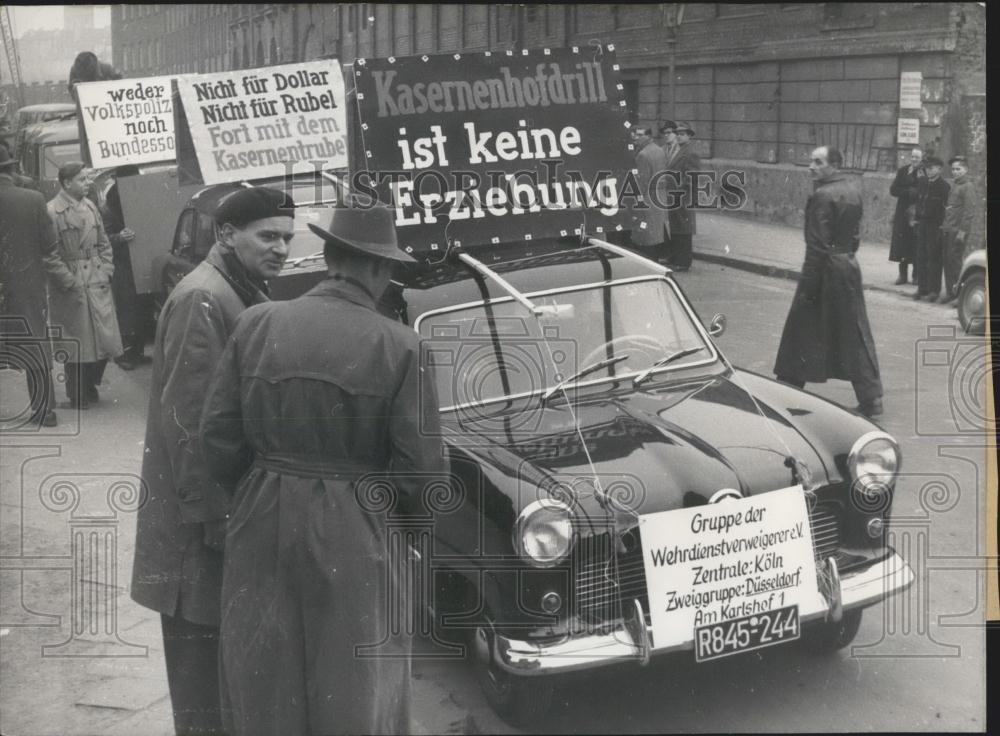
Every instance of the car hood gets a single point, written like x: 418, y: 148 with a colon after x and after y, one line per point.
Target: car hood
x: 654, y: 450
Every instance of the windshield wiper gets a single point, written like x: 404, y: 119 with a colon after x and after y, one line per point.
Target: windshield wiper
x: 593, y: 368
x: 666, y: 360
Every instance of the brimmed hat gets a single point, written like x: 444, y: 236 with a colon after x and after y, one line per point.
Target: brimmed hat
x: 933, y: 161
x: 248, y: 204
x: 684, y: 127
x: 369, y: 230
x: 959, y: 159
x: 5, y: 158
x: 668, y: 125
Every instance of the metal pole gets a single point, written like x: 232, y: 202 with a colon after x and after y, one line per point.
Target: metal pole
x: 489, y: 273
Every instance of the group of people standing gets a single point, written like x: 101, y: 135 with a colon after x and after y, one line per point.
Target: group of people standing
x: 932, y: 223
x: 68, y: 277
x: 269, y: 573
x: 663, y: 222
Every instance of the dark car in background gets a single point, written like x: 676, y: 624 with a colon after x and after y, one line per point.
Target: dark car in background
x: 584, y: 405
x: 195, y: 234
x: 45, y: 147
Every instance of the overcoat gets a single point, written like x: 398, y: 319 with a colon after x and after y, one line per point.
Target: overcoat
x: 311, y: 396
x: 128, y: 307
x: 649, y: 161
x: 682, y: 190
x: 86, y: 311
x: 827, y: 334
x: 904, y: 232
x: 174, y: 572
x: 27, y: 251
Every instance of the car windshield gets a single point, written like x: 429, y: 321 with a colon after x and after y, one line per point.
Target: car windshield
x: 306, y: 243
x: 491, y: 351
x: 57, y: 155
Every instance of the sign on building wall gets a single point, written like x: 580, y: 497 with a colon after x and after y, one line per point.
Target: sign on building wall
x: 259, y: 123
x: 478, y: 149
x: 909, y: 90
x: 127, y: 121
x: 908, y: 130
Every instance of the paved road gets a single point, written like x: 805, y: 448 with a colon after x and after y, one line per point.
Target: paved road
x: 919, y: 666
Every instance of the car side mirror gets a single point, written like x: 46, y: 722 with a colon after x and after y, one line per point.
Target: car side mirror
x: 717, y: 326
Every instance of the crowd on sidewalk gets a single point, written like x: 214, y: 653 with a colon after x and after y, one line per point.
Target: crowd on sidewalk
x: 932, y: 221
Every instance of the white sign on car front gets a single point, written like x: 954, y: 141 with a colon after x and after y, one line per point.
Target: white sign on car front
x: 128, y: 121
x: 721, y: 561
x: 256, y: 123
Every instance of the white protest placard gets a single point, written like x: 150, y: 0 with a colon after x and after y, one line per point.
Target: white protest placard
x: 721, y: 561
x: 909, y: 90
x: 128, y: 121
x: 908, y: 130
x: 251, y: 124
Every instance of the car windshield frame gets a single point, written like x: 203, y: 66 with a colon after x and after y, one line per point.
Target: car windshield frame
x: 713, y: 355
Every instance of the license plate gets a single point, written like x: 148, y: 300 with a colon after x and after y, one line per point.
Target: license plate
x: 744, y: 634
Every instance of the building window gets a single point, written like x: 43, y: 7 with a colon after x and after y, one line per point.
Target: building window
x: 365, y: 11
x: 505, y: 22
x: 352, y: 12
x: 274, y: 51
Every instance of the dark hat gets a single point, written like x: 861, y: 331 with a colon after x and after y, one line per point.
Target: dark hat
x: 667, y: 125
x: 684, y: 127
x: 370, y: 230
x: 247, y: 204
x: 933, y: 161
x: 5, y: 158
x: 959, y: 159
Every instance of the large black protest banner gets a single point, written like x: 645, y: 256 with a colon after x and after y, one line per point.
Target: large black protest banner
x: 495, y: 147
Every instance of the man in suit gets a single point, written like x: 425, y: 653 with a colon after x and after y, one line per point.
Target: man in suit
x: 931, y: 203
x: 181, y: 527
x: 682, y: 207
x: 649, y: 219
x: 27, y: 251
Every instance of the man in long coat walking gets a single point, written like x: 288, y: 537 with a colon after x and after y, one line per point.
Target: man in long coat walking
x: 827, y: 334
x: 649, y: 219
x: 27, y: 252
x: 86, y: 310
x: 181, y: 525
x: 905, y: 188
x: 311, y: 396
x: 683, y: 224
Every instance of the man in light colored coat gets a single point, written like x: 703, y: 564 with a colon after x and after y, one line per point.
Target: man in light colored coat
x: 649, y: 219
x: 181, y: 525
x: 80, y: 301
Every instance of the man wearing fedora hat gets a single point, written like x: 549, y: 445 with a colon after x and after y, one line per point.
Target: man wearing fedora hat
x: 312, y: 399
x: 180, y: 527
x: 682, y: 207
x: 27, y: 251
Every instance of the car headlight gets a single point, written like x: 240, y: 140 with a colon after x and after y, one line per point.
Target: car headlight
x: 543, y: 532
x: 874, y: 462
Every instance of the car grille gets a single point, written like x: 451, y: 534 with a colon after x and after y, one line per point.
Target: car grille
x: 604, y: 580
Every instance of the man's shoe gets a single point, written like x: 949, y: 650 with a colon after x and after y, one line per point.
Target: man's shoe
x: 919, y: 295
x: 125, y: 364
x: 870, y: 409
x: 946, y: 298
x: 900, y: 281
x: 81, y: 404
x: 50, y: 419
x: 932, y: 297
x: 92, y: 396
x: 142, y: 360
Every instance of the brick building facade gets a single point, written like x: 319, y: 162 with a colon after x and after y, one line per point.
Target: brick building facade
x: 762, y: 84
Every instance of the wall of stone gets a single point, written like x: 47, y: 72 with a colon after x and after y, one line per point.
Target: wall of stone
x: 778, y: 193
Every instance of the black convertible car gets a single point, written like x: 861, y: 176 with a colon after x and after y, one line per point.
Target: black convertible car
x: 619, y: 489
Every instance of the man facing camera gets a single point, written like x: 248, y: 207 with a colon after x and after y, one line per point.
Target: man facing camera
x: 181, y: 527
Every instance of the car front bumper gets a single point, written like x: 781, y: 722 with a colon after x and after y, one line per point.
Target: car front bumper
x: 579, y: 652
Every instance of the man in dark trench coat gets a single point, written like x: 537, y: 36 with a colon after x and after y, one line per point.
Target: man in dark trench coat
x: 311, y: 396
x: 181, y: 524
x: 827, y: 334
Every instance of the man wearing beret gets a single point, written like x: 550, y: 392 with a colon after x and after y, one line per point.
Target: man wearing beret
x: 314, y: 399
x: 181, y: 524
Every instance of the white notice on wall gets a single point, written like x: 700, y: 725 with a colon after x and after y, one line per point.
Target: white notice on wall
x: 909, y: 90
x: 257, y: 123
x: 128, y: 121
x: 908, y: 130
x: 721, y: 561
